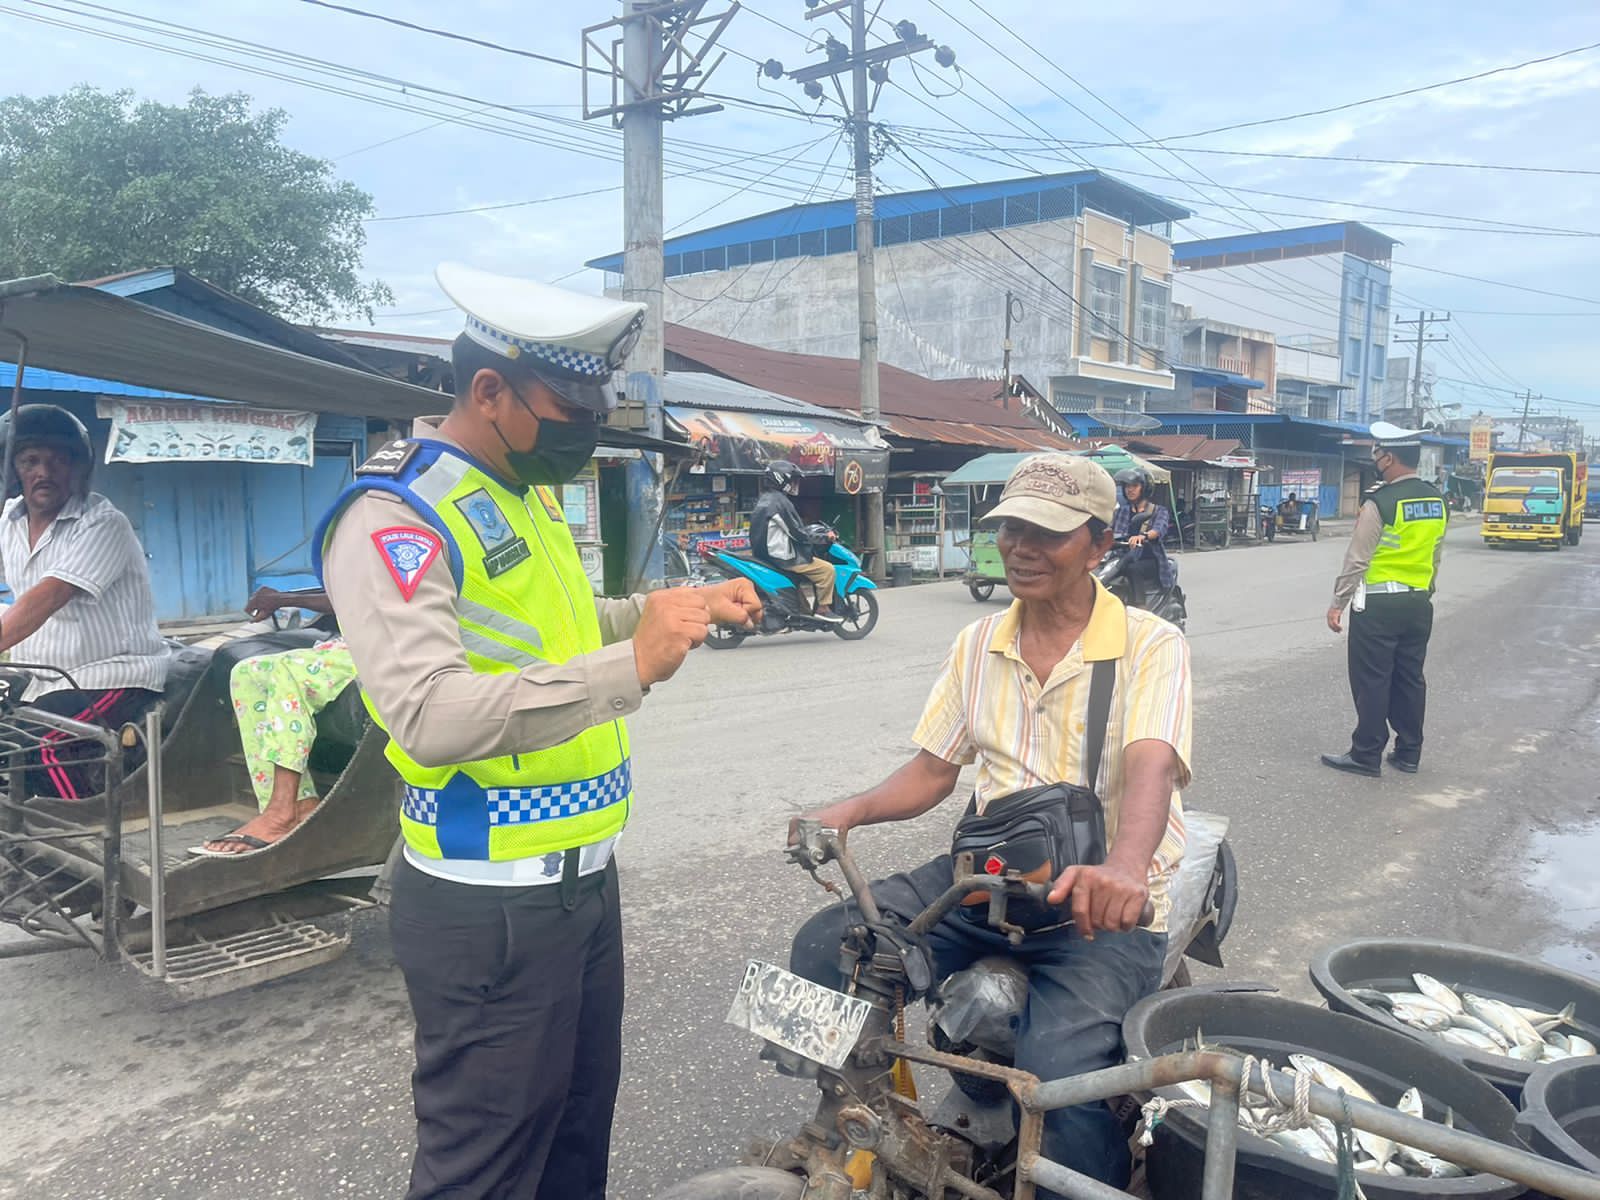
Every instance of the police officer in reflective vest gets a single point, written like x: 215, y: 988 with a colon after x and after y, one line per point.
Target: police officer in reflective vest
x: 1388, y: 578
x: 503, y: 683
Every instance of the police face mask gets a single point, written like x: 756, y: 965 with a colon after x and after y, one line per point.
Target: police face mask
x: 560, y: 451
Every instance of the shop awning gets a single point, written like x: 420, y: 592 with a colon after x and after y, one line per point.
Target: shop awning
x: 1215, y: 377
x: 740, y: 429
x: 87, y: 332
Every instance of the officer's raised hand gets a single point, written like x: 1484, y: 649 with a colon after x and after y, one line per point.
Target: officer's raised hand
x: 734, y: 602
x: 673, y: 622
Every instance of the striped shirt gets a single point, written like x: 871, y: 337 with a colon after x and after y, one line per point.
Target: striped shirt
x: 106, y: 635
x: 987, y: 707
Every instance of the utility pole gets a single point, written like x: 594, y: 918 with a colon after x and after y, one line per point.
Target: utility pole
x: 656, y: 76
x: 1522, y: 429
x: 868, y: 71
x: 1013, y: 313
x: 1421, y: 321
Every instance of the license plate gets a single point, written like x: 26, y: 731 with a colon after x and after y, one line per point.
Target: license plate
x: 813, y: 1021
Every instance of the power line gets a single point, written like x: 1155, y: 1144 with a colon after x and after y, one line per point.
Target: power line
x: 1499, y: 283
x: 1411, y: 91
x: 564, y: 134
x: 454, y: 37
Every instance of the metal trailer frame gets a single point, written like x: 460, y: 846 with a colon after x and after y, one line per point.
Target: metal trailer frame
x: 1226, y: 1074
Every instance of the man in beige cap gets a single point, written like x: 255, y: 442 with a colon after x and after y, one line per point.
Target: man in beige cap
x: 1065, y: 687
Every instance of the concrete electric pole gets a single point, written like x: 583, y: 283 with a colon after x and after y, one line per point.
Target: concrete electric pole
x: 656, y: 76
x: 1421, y: 321
x: 868, y: 70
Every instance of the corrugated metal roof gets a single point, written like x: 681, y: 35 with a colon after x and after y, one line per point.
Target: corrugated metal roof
x: 1100, y: 191
x: 36, y: 379
x: 940, y: 410
x: 1276, y: 239
x: 694, y: 389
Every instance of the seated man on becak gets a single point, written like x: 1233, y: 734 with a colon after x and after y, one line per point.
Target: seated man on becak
x: 83, y: 599
x: 276, y: 699
x: 778, y: 539
x: 1067, y: 697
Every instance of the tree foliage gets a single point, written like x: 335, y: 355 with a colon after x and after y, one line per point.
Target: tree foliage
x: 93, y: 183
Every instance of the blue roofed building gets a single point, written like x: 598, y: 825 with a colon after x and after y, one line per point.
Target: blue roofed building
x: 1323, y: 290
x: 1086, y: 259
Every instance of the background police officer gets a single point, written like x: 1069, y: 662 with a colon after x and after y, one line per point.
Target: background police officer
x: 503, y: 683
x: 1388, y: 579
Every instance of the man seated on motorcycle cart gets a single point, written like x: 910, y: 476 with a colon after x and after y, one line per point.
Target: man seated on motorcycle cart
x: 1015, y: 696
x: 1143, y: 524
x: 1289, y: 512
x: 778, y: 538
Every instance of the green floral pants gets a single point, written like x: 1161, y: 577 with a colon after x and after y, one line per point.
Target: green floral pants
x: 276, y: 698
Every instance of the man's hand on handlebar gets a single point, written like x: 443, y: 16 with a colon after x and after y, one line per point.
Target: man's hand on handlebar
x: 1109, y: 897
x: 840, y: 818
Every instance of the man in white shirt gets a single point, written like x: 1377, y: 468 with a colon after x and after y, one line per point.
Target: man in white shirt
x: 83, y: 601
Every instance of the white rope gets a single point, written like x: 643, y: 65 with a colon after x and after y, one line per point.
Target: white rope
x: 1281, y: 1117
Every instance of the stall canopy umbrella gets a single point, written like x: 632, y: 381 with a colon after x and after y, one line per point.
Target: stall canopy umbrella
x: 1115, y: 458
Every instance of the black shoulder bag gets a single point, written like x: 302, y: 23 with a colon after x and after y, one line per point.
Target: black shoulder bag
x: 1041, y: 831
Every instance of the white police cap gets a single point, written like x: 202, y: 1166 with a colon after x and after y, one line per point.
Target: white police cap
x: 1387, y: 434
x: 567, y: 335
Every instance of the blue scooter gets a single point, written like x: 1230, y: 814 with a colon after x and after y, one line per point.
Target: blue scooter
x: 786, y: 598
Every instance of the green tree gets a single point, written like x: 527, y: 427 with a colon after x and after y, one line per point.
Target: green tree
x: 93, y: 183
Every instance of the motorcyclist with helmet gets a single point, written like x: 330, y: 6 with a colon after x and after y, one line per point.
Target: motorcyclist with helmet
x: 1143, y: 524
x: 778, y: 538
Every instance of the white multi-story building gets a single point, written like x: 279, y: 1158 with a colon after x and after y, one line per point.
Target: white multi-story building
x: 1320, y: 288
x: 1086, y: 258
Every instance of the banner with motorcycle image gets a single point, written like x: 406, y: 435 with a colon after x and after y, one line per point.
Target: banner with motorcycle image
x: 745, y: 442
x: 147, y: 431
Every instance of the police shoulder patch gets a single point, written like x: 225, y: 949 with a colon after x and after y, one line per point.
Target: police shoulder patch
x: 391, y: 459
x: 408, y: 552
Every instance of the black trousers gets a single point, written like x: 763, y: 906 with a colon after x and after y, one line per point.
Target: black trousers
x: 1388, y: 642
x: 517, y: 994
x: 61, y: 770
x: 1078, y: 992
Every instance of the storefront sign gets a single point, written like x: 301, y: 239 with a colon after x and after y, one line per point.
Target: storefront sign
x: 744, y: 442
x: 1302, y: 482
x: 857, y: 471
x: 182, y: 430
x: 1481, y: 445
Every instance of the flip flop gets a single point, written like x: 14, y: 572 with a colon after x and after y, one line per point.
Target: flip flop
x: 244, y: 839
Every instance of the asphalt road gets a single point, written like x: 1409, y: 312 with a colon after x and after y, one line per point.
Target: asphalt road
x: 299, y: 1089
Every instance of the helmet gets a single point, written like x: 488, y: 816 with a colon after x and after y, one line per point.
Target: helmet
x: 780, y: 474
x: 47, y: 425
x: 1129, y: 476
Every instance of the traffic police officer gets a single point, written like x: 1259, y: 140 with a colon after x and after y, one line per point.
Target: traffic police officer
x: 1388, y: 579
x: 502, y: 682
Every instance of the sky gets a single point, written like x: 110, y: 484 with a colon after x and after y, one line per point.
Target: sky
x: 430, y: 126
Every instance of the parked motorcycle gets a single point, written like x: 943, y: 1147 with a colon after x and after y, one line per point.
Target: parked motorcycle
x: 1269, y: 522
x: 786, y: 598
x: 1115, y: 571
x: 870, y: 1136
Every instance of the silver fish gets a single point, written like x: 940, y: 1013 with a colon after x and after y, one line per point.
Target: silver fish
x: 1434, y: 990
x: 1411, y: 1103
x: 1465, y: 1020
x: 1471, y: 1040
x: 1330, y: 1076
x: 1430, y: 1019
x: 1527, y: 1051
x: 1418, y: 1000
x: 1303, y: 1141
x: 1581, y: 1047
x: 1504, y: 1018
x: 1552, y: 1054
x: 1546, y: 1021
x: 1373, y: 997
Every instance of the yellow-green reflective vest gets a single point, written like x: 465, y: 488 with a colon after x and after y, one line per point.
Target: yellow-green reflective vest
x: 1413, y: 515
x: 521, y: 598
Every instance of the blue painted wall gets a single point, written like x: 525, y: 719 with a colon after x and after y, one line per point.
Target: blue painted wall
x: 214, y: 532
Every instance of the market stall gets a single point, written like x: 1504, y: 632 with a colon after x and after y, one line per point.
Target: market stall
x: 739, y: 429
